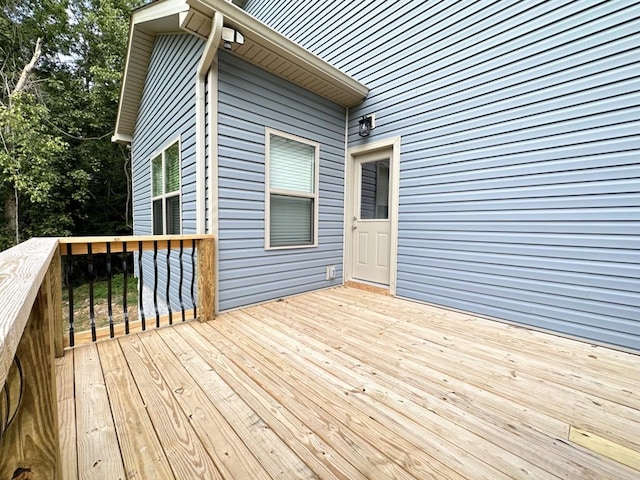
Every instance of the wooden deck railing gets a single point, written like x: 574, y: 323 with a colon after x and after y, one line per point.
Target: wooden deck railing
x: 31, y: 336
x: 155, y: 256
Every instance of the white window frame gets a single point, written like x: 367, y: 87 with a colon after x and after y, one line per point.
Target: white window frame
x: 315, y: 196
x: 163, y: 197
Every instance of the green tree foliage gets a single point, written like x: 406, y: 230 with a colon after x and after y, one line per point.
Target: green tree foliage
x: 58, y: 167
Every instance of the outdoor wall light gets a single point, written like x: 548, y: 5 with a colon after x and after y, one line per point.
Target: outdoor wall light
x: 366, y: 124
x: 231, y: 36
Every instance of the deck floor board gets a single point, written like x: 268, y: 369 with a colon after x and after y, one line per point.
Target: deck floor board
x: 348, y: 384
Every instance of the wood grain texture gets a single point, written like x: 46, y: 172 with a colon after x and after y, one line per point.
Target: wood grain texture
x: 183, y: 448
x: 348, y: 384
x: 31, y: 441
x: 99, y: 454
x: 606, y: 447
x: 206, y: 279
x: 22, y: 271
x: 55, y: 302
x: 142, y: 454
x: 228, y: 451
x: 135, y: 326
x: 99, y: 244
x: 321, y: 457
x: 67, y: 415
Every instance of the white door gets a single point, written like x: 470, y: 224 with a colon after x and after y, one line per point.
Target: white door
x: 371, y: 227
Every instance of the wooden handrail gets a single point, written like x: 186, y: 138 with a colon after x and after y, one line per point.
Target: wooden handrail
x: 27, y: 305
x: 99, y: 244
x: 31, y: 337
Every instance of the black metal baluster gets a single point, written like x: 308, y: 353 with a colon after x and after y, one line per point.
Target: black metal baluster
x: 70, y: 287
x: 125, y: 284
x: 92, y: 313
x: 181, y: 279
x: 140, y: 287
x: 193, y: 278
x: 109, y: 292
x: 169, y: 282
x: 155, y: 282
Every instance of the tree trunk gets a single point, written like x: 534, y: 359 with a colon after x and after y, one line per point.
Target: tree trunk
x: 11, y: 214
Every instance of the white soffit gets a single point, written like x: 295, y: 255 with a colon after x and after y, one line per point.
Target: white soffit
x: 275, y: 53
x: 263, y: 47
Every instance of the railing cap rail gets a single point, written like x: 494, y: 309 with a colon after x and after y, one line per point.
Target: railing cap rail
x: 22, y: 271
x: 133, y: 238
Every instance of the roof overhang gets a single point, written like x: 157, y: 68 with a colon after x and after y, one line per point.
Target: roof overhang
x: 263, y: 47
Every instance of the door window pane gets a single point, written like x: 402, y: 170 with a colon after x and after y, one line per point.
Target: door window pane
x: 374, y: 190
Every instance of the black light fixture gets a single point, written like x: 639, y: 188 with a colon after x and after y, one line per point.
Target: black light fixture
x: 365, y: 125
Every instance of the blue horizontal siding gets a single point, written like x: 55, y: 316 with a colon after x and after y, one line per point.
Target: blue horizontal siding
x: 250, y: 100
x: 167, y: 111
x: 519, y: 173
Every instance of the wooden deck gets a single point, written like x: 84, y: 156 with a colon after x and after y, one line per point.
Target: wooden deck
x: 348, y: 384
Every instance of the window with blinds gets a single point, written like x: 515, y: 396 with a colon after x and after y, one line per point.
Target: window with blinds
x: 165, y: 189
x: 291, y: 191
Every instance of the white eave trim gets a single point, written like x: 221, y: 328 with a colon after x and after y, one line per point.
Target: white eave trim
x: 142, y: 21
x: 151, y: 20
x: 281, y: 45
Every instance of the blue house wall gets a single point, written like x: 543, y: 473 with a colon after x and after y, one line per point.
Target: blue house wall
x: 250, y: 100
x: 519, y: 174
x: 166, y: 114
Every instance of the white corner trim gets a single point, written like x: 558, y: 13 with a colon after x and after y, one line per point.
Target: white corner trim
x: 213, y: 169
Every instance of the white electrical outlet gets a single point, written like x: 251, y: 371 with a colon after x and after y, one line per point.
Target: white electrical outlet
x: 331, y: 272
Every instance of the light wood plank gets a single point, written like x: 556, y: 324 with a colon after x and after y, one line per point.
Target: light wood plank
x: 99, y: 244
x: 98, y: 449
x: 55, y: 302
x: 355, y: 449
x: 506, y: 335
x: 184, y: 450
x: 142, y: 453
x: 31, y: 440
x: 591, y: 413
x: 605, y: 447
x: 325, y: 461
x: 405, y: 460
x: 206, y: 279
x: 442, y: 332
x: 135, y: 326
x: 348, y: 384
x: 424, y: 376
x: 67, y: 415
x: 509, y: 432
x: 22, y: 272
x: 425, y: 429
x: 226, y: 448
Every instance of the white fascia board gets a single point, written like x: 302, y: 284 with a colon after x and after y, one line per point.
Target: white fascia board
x: 142, y: 19
x: 158, y: 10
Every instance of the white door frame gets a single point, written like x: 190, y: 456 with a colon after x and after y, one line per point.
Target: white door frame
x: 350, y: 201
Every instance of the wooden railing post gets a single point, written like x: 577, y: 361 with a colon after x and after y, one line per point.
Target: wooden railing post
x: 30, y: 445
x: 206, y: 279
x: 55, y: 302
